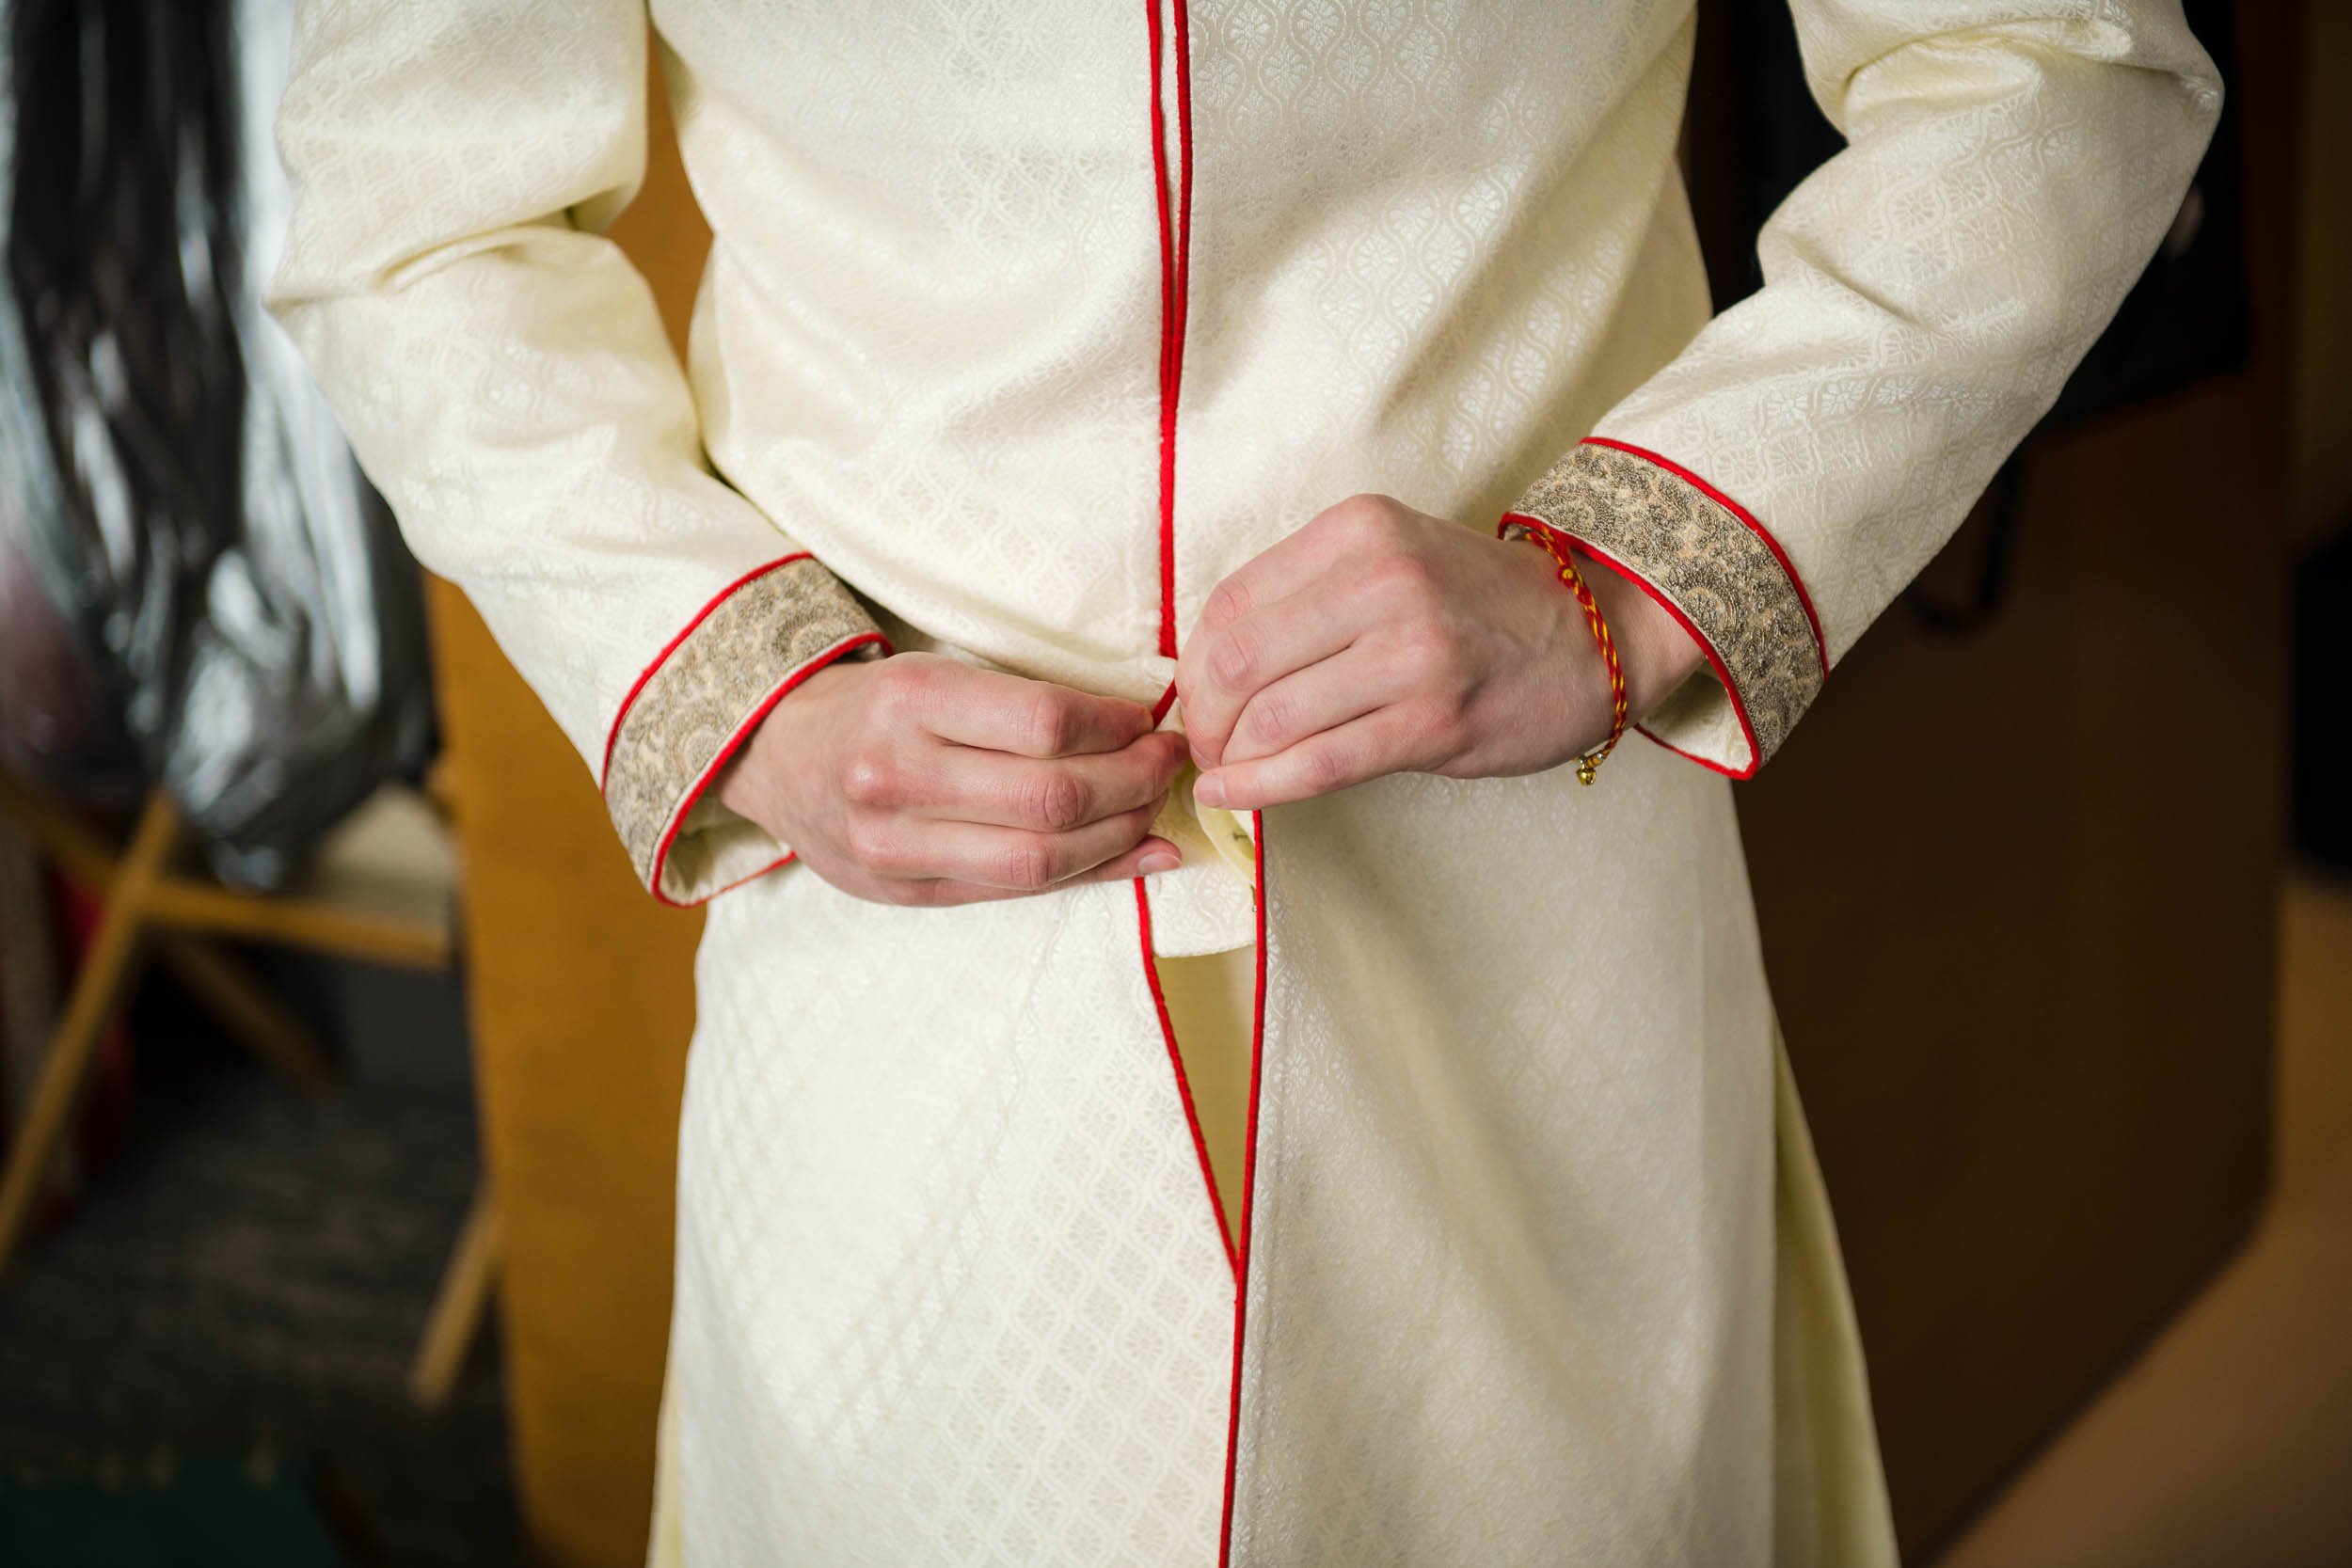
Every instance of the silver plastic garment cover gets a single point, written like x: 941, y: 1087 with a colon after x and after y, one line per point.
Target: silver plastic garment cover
x: 196, y: 585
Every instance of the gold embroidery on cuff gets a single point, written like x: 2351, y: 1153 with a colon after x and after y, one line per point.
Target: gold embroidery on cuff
x: 750, y: 644
x: 1712, y: 567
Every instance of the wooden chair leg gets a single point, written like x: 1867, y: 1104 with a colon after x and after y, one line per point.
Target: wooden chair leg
x: 106, y: 973
x: 254, y: 1019
x: 457, y: 1307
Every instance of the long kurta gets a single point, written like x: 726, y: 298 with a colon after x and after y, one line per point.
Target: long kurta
x: 1023, y: 325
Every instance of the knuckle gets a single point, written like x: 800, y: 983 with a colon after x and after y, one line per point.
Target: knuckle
x: 1271, y: 717
x: 1055, y: 801
x: 1344, y: 526
x: 1402, y: 575
x: 1228, y: 602
x: 1048, y: 724
x: 858, y: 841
x: 1424, y: 652
x: 1237, y: 657
x: 1442, y: 726
x: 900, y: 682
x: 1028, y: 865
x: 1323, y: 770
x: 872, y: 844
x: 868, y: 777
x: 1368, y: 515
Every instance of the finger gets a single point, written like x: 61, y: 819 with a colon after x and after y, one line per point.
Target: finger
x: 1284, y: 567
x: 1323, y: 696
x: 1226, y: 668
x: 1049, y: 795
x: 1010, y: 857
x: 1011, y: 713
x: 1361, y: 748
x: 1119, y: 868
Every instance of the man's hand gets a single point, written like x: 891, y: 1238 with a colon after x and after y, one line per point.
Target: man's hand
x: 919, y: 779
x: 1381, y: 640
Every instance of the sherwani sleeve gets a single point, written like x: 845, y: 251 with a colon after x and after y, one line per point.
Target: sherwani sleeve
x: 503, y: 376
x: 2009, y: 170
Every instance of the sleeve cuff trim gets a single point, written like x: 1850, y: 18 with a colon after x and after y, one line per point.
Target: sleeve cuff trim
x: 604, y: 772
x: 1720, y: 576
x: 657, y: 874
x: 1812, y: 617
x: 698, y: 701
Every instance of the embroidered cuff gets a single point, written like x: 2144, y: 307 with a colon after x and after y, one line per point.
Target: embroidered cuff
x: 700, y: 699
x: 1700, y: 554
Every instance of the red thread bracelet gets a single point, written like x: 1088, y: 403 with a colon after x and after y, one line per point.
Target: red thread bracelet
x: 1589, y: 764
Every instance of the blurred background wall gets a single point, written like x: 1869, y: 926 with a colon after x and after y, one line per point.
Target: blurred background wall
x: 2044, y: 831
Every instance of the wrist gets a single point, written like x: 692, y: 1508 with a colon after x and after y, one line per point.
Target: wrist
x: 784, y: 732
x: 1655, y: 650
x: 1658, y: 653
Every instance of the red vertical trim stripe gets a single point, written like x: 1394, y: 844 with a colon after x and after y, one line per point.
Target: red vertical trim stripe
x: 1183, y: 177
x: 1175, y: 268
x: 1175, y: 256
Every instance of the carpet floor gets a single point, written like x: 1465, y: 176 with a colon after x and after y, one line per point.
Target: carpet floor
x: 248, y: 1277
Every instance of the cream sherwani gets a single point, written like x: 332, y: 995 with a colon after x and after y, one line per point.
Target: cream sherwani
x: 1026, y: 324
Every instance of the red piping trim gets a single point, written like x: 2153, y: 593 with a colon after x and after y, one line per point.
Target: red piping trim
x: 1820, y: 646
x: 1175, y: 254
x: 710, y: 769
x: 1249, y: 1200
x: 1709, y: 762
x: 604, y: 770
x: 1183, y: 203
x: 1167, y: 699
x: 1731, y: 688
x: 776, y: 865
x: 1167, y: 330
x: 1184, y: 1083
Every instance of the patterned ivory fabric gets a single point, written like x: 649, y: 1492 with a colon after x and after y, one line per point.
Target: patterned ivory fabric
x: 1026, y: 324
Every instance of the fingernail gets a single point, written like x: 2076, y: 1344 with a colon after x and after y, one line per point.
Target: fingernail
x: 1159, y: 860
x: 1209, y: 790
